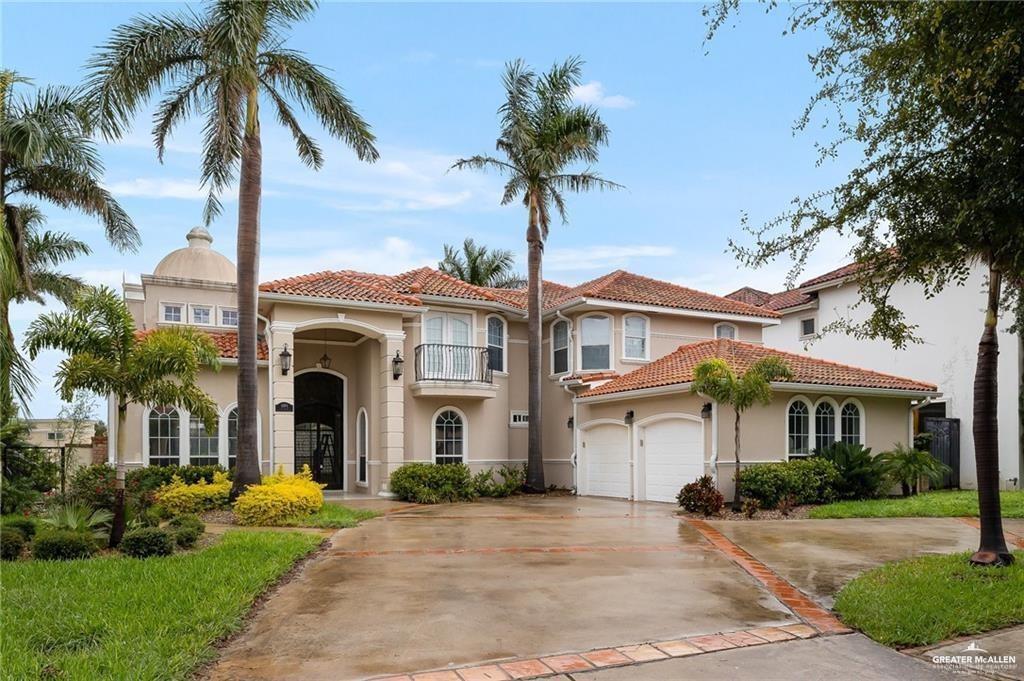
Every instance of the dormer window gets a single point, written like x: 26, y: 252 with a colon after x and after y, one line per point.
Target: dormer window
x: 724, y: 330
x: 228, y: 316
x: 202, y: 315
x: 172, y: 312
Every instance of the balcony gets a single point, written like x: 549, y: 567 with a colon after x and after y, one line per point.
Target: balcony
x: 453, y: 371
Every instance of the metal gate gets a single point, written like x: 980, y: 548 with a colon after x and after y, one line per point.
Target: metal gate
x: 945, y: 446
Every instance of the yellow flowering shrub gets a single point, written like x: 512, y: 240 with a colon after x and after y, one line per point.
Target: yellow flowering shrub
x: 177, y: 497
x: 279, y: 497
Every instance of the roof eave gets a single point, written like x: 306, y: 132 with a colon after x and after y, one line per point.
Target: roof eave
x: 785, y: 386
x: 338, y: 302
x: 679, y: 311
x: 471, y: 302
x: 811, y: 305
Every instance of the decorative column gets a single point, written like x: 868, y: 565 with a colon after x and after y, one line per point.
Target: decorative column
x: 282, y: 418
x: 392, y: 410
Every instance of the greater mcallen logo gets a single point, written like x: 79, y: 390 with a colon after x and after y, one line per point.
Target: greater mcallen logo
x: 976, y: 657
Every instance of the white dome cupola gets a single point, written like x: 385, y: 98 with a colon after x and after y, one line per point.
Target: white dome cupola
x: 197, y: 260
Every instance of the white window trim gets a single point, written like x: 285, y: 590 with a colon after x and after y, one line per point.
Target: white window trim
x: 220, y: 315
x: 647, y: 338
x: 198, y: 306
x: 812, y: 407
x: 465, y: 433
x: 800, y: 327
x: 735, y: 330
x: 814, y: 415
x: 810, y: 427
x: 512, y: 423
x: 568, y: 347
x: 504, y: 341
x: 611, y: 340
x: 362, y: 413
x: 863, y: 419
x: 183, y: 443
x: 184, y: 312
x: 222, y: 429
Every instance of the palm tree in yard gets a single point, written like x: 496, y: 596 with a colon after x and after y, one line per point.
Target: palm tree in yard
x: 221, y: 65
x: 714, y: 378
x: 107, y: 356
x: 543, y: 135
x: 481, y: 266
x: 46, y: 154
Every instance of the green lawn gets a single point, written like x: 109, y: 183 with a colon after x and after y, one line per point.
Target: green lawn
x: 932, y: 598
x: 122, y: 618
x: 332, y: 516
x: 941, y: 504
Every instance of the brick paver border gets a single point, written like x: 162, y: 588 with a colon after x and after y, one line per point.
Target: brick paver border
x: 1012, y: 536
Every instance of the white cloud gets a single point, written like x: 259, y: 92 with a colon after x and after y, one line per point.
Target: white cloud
x: 593, y: 93
x: 600, y: 257
x: 389, y: 256
x: 159, y: 188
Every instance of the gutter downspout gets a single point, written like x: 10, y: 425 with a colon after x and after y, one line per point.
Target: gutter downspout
x: 270, y: 393
x: 714, y: 443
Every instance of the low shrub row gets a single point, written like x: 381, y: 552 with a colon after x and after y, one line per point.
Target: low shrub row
x: 802, y: 481
x: 95, y: 485
x: 179, y: 497
x: 278, y: 498
x: 428, y: 483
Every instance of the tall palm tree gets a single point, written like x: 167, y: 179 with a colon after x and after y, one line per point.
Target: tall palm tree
x: 107, y: 356
x: 45, y: 154
x: 481, y: 266
x: 543, y: 135
x: 219, y: 66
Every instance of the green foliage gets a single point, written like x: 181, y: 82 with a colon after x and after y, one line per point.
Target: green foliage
x: 428, y: 483
x: 186, y: 529
x: 701, y: 497
x: 93, y: 486
x: 906, y: 467
x: 751, y: 507
x: 481, y: 266
x: 939, y: 504
x: 23, y: 524
x: 147, y: 542
x: 177, y: 497
x: 513, y: 477
x: 63, y: 545
x: 330, y: 516
x: 861, y: 475
x: 25, y: 471
x: 79, y: 518
x: 12, y: 542
x: 805, y: 481
x: 717, y: 380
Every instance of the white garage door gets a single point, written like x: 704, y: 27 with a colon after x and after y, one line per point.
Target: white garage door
x: 673, y: 455
x: 606, y: 461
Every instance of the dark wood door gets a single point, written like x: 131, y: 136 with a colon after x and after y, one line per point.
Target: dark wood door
x: 320, y: 426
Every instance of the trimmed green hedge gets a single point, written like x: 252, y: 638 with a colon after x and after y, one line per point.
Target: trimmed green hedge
x: 807, y: 481
x: 428, y: 483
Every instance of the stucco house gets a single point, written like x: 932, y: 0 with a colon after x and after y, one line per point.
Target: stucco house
x: 360, y: 373
x: 949, y: 325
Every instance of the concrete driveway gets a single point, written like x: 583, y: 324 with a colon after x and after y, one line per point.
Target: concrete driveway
x: 429, y: 587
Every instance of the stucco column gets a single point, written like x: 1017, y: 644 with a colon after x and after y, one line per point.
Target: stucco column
x: 282, y: 423
x: 392, y: 410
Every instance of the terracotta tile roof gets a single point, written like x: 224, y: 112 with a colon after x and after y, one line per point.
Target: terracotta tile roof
x: 342, y: 285
x: 787, y: 299
x: 591, y: 376
x: 838, y: 273
x: 677, y: 367
x: 750, y: 296
x: 431, y: 282
x: 226, y: 342
x: 550, y: 292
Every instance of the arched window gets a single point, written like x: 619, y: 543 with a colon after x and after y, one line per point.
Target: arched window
x: 449, y: 437
x: 232, y: 437
x: 824, y: 425
x: 596, y: 343
x: 724, y: 330
x: 496, y: 343
x: 635, y: 343
x: 798, y: 429
x: 560, y: 347
x: 202, y: 443
x: 362, y: 444
x: 850, y: 424
x: 164, y: 434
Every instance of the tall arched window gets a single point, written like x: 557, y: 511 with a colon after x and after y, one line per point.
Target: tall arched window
x: 560, y: 347
x: 824, y: 425
x: 164, y: 434
x: 596, y: 342
x: 496, y: 343
x: 798, y: 429
x: 850, y: 424
x: 362, y: 444
x: 232, y: 437
x: 202, y: 444
x: 449, y: 437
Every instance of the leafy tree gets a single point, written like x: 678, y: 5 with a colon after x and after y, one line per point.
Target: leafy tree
x: 73, y: 421
x: 220, y: 65
x: 714, y: 378
x: 25, y: 471
x: 481, y: 266
x: 46, y: 154
x: 543, y: 135
x: 107, y: 356
x: 932, y: 96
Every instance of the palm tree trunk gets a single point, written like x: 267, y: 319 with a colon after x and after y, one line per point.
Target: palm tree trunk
x: 118, y: 525
x: 992, y: 550
x: 247, y: 468
x: 737, y: 501
x: 535, y: 251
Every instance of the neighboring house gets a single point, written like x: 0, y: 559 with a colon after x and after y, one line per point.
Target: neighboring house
x: 55, y: 433
x: 360, y: 373
x: 949, y: 325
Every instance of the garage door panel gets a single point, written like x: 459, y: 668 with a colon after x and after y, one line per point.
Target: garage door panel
x: 673, y: 452
x: 606, y: 461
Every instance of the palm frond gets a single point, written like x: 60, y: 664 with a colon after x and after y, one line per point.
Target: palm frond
x: 308, y: 150
x: 183, y: 102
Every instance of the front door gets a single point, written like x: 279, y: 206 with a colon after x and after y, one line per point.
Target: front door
x: 320, y: 426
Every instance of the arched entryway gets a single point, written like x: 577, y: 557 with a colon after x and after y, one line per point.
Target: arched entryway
x: 320, y: 425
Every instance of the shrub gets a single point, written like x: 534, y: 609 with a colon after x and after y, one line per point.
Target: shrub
x: 701, y: 497
x: 751, y: 507
x: 513, y: 479
x: 186, y: 529
x: 25, y: 474
x: 178, y: 497
x: 80, y: 519
x: 808, y: 481
x: 906, y: 467
x: 63, y: 545
x: 766, y: 483
x: 26, y: 526
x: 861, y: 475
x: 145, y: 542
x: 428, y: 483
x: 786, y: 504
x: 11, y: 543
x: 279, y: 498
x: 93, y: 486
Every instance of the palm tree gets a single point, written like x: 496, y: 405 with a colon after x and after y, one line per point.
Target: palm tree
x: 107, y: 356
x: 543, y: 134
x: 481, y: 266
x: 219, y: 66
x: 45, y: 154
x: 714, y: 378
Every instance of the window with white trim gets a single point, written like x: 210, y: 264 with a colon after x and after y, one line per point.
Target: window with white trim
x: 560, y: 347
x: 824, y: 425
x: 634, y: 337
x: 202, y: 443
x: 164, y: 432
x: 232, y: 437
x: 596, y: 343
x: 850, y: 424
x: 228, y: 316
x: 519, y: 419
x: 496, y: 343
x: 807, y: 327
x: 798, y: 429
x: 362, y: 444
x: 724, y: 330
x: 55, y: 435
x: 172, y: 312
x: 202, y: 315
x: 449, y: 437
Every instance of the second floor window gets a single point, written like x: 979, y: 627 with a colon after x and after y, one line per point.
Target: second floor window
x: 496, y: 343
x: 228, y: 316
x: 202, y: 315
x: 596, y: 343
x: 172, y: 312
x: 725, y: 331
x: 634, y: 332
x: 560, y: 347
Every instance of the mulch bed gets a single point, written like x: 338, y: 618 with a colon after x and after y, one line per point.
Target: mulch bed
x: 797, y: 513
x: 218, y: 516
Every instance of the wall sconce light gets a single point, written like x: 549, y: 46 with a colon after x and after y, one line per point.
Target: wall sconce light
x: 286, y: 360
x: 705, y: 411
x: 628, y: 419
x: 396, y: 365
x: 570, y: 423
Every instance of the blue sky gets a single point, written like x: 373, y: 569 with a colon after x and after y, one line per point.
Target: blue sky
x: 700, y: 133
